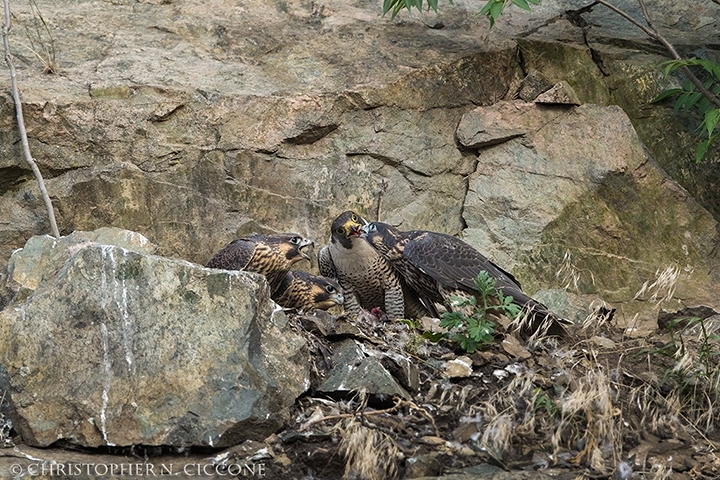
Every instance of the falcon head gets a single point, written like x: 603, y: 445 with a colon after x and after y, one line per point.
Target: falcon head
x: 346, y: 227
x: 286, y: 246
x: 326, y: 292
x: 383, y: 237
x: 307, y: 292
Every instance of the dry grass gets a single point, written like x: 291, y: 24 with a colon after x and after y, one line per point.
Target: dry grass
x: 41, y: 41
x: 369, y: 453
x: 663, y: 288
x: 570, y: 274
x: 591, y: 419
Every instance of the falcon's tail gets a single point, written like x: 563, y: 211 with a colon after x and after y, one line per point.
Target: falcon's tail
x: 535, y: 317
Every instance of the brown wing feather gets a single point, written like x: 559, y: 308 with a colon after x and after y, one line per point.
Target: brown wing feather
x: 454, y: 265
x: 452, y: 262
x: 234, y: 256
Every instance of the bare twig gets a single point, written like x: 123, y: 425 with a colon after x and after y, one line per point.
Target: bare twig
x: 21, y: 122
x: 399, y: 403
x: 381, y: 194
x: 652, y: 32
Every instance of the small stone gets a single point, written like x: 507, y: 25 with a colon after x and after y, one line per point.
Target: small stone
x: 460, y: 367
x: 465, y: 431
x: 432, y: 440
x: 512, y: 347
x: 602, y: 342
x: 560, y: 93
x: 435, y: 24
x: 500, y: 374
x: 422, y: 466
x: 533, y: 85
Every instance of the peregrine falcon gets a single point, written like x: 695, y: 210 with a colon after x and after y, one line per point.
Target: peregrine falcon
x: 367, y: 279
x: 439, y: 266
x: 270, y: 255
x: 307, y: 292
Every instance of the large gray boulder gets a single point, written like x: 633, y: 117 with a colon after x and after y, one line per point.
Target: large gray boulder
x: 108, y: 345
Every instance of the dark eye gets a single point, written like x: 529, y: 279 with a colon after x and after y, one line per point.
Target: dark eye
x: 340, y: 231
x: 354, y: 218
x: 372, y: 227
x: 330, y: 289
x: 296, y: 240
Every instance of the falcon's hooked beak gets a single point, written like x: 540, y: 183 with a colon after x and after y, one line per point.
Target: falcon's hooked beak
x: 305, y: 243
x: 364, y: 230
x: 353, y: 229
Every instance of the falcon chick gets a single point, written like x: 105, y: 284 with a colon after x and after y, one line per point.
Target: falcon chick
x: 270, y: 255
x: 439, y: 266
x: 367, y: 279
x: 307, y: 292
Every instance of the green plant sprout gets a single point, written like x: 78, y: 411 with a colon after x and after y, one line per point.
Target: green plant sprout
x: 469, y: 324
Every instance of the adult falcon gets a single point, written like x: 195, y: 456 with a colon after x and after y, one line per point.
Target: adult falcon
x: 307, y: 292
x: 271, y: 255
x: 439, y: 266
x: 367, y: 279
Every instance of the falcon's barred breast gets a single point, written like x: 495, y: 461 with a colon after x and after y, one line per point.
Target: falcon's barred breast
x: 439, y: 266
x: 271, y: 255
x: 367, y: 279
x: 306, y: 292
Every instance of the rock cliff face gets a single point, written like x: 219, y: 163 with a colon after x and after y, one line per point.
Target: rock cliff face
x: 193, y: 124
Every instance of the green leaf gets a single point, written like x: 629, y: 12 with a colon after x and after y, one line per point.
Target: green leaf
x: 665, y: 94
x: 495, y: 11
x: 680, y: 102
x: 452, y: 320
x: 522, y: 4
x: 512, y: 311
x: 461, y: 302
x: 703, y: 106
x: 387, y: 5
x: 702, y: 150
x: 712, y: 118
x: 691, y: 100
x: 486, y: 8
x: 434, y: 337
x: 466, y: 343
x: 433, y: 4
x: 481, y: 332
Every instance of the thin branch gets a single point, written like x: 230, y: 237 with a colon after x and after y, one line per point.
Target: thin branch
x: 381, y: 194
x: 652, y: 32
x: 399, y: 403
x: 648, y: 32
x: 21, y: 122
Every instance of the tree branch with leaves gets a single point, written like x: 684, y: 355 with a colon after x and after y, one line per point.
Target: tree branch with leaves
x: 21, y: 121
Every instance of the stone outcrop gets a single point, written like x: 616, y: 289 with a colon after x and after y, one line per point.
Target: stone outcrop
x: 106, y: 344
x: 193, y: 125
x: 573, y: 197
